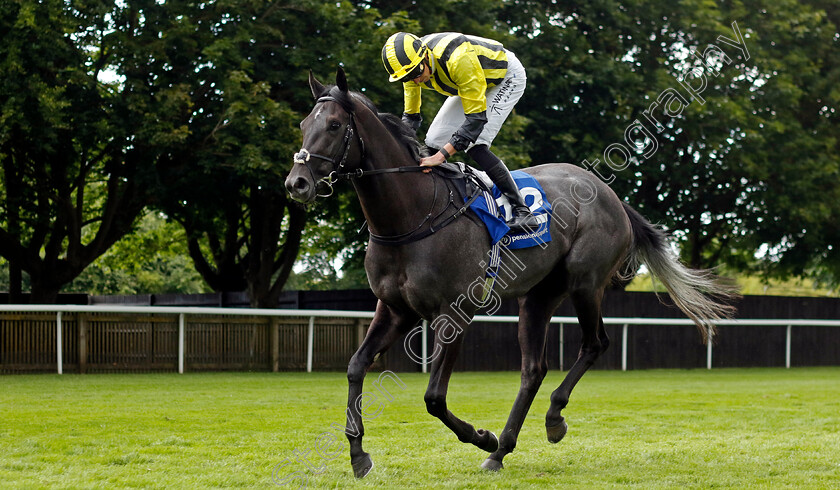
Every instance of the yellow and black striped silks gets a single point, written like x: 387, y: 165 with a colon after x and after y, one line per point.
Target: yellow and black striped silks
x: 461, y: 65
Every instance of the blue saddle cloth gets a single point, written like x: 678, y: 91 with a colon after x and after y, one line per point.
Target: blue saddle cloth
x: 496, y: 213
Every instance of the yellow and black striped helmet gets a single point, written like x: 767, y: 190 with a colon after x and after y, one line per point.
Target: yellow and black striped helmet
x: 402, y: 56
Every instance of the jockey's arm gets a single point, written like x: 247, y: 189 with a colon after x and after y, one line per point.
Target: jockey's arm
x: 412, y: 98
x: 472, y: 89
x: 438, y: 157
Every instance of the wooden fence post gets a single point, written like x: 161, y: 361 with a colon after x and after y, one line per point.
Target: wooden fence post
x: 274, y: 336
x: 360, y: 331
x: 150, y: 343
x: 83, y: 344
x: 252, y: 347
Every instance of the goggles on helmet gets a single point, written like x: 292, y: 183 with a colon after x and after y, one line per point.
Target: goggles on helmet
x: 416, y: 72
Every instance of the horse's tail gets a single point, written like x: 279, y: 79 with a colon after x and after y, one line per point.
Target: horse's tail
x: 697, y: 292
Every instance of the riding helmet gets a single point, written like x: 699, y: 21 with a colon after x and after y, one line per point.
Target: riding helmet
x: 402, y: 56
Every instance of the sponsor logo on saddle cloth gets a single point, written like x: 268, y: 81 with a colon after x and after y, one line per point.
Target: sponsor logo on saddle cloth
x: 495, y: 215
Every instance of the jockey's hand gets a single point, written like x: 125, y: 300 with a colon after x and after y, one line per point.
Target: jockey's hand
x: 432, y: 161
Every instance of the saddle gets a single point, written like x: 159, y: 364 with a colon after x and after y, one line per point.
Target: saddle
x: 494, y: 209
x: 476, y: 192
x: 469, y: 180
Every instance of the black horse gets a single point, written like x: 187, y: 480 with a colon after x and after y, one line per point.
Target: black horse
x: 417, y: 274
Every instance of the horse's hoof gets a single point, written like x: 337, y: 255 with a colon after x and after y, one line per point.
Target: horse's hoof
x: 363, y: 466
x: 487, y: 441
x: 556, y: 433
x: 491, y: 464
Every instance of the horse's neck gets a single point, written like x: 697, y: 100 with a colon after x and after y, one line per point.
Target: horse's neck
x: 393, y: 203
x: 396, y: 203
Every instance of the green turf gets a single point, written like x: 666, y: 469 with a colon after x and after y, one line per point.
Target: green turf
x: 766, y: 428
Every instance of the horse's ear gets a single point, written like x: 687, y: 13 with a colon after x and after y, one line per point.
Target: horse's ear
x: 315, y: 86
x: 341, y: 79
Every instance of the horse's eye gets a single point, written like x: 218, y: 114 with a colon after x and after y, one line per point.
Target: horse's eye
x: 335, y: 125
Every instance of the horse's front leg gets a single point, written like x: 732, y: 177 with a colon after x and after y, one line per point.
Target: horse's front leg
x: 388, y: 326
x: 448, y: 338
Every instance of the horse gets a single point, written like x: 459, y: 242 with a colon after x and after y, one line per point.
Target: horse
x: 425, y: 252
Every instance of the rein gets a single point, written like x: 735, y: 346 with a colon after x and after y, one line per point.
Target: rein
x: 416, y: 234
x: 304, y: 156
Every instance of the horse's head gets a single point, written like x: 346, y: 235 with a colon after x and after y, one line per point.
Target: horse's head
x: 331, y: 143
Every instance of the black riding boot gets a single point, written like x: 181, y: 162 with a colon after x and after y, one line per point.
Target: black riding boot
x: 522, y: 221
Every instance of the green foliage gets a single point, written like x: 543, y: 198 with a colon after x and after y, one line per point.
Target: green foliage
x: 193, y: 109
x: 751, y: 285
x: 71, y: 183
x: 332, y: 255
x: 754, y: 164
x: 153, y: 258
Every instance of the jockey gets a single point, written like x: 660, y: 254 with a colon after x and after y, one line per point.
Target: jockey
x: 483, y: 82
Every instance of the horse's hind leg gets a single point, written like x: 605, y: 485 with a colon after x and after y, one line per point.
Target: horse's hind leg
x: 587, y: 304
x: 534, y: 315
x: 388, y: 325
x: 448, y: 338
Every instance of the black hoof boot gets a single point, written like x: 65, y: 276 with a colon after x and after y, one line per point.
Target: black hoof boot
x: 362, y: 465
x: 487, y: 441
x: 557, y: 432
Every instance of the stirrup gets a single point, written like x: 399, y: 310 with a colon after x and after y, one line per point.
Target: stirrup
x: 523, y: 221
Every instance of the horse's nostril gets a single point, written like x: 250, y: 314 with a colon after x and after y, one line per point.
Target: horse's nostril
x: 301, y: 184
x: 297, y: 186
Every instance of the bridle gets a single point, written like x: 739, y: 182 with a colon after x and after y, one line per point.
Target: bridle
x: 304, y: 156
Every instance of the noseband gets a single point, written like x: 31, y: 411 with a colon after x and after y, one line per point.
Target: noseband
x: 303, y: 156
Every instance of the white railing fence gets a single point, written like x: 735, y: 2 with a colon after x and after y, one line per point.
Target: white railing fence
x: 183, y: 312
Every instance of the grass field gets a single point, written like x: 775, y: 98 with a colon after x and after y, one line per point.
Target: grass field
x: 741, y: 428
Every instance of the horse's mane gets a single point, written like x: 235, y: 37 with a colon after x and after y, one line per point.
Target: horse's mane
x: 404, y: 134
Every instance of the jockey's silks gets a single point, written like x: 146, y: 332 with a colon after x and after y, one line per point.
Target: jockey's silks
x: 461, y: 65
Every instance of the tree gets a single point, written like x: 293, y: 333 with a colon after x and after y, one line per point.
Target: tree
x: 73, y: 180
x: 740, y: 162
x: 197, y: 116
x: 245, y: 79
x: 192, y: 108
x: 151, y: 259
x: 796, y: 148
